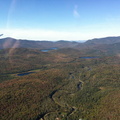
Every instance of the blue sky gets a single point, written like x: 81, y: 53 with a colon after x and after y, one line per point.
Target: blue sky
x: 59, y: 19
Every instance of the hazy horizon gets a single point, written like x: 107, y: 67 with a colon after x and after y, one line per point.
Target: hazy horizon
x: 2, y: 37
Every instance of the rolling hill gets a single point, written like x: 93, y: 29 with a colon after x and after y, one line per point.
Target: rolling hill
x: 76, y: 81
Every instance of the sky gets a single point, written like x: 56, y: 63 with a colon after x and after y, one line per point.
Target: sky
x: 59, y: 19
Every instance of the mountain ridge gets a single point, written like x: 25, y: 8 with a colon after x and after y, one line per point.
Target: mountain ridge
x: 19, y: 43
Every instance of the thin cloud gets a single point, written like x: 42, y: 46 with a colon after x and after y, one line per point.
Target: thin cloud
x: 88, y: 32
x: 10, y: 12
x: 38, y: 34
x: 75, y: 11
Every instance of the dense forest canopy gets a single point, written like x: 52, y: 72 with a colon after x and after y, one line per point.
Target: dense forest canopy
x: 69, y: 81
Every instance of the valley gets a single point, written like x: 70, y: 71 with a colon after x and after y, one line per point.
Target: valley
x: 65, y: 83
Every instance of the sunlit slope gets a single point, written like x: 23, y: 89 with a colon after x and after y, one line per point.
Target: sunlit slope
x: 64, y: 84
x: 28, y: 97
x: 86, y: 89
x: 22, y: 59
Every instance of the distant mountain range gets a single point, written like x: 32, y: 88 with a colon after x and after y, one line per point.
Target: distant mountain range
x: 107, y: 44
x: 14, y: 43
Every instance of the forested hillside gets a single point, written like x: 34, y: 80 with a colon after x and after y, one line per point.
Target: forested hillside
x: 60, y: 84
